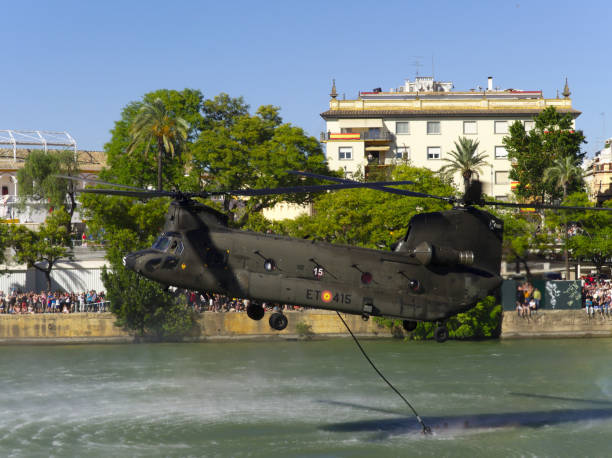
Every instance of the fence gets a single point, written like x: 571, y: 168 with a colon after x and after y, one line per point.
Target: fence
x: 73, y: 279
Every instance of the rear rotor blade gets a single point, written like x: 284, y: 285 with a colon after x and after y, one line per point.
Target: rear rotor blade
x: 543, y: 206
x: 307, y: 189
x: 340, y: 180
x: 380, y: 186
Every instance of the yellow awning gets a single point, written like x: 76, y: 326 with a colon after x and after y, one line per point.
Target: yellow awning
x: 377, y: 148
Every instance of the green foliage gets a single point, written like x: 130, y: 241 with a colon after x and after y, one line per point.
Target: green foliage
x: 481, y: 322
x: 43, y: 249
x: 367, y: 217
x: 304, y: 330
x: 533, y: 152
x: 38, y: 179
x: 254, y: 151
x: 564, y: 172
x: 141, y: 305
x: 139, y: 168
x: 154, y: 123
x: 593, y: 239
x: 5, y: 239
x: 465, y: 160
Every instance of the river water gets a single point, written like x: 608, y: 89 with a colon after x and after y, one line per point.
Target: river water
x: 307, y: 399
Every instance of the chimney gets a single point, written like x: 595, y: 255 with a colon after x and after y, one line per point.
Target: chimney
x: 490, y: 83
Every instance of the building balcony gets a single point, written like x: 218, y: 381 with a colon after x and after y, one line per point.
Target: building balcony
x: 372, y: 135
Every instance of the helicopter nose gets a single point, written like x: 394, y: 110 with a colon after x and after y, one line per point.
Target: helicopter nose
x: 129, y: 261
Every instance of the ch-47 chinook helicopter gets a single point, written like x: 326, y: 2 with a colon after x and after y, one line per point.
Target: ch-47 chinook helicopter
x: 446, y: 262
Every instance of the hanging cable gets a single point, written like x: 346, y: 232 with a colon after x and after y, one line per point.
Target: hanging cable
x: 426, y: 429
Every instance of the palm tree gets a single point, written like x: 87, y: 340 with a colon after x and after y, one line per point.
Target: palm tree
x: 563, y: 172
x: 154, y: 122
x: 465, y: 160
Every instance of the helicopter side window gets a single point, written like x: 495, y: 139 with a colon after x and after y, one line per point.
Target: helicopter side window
x: 161, y: 243
x: 179, y: 248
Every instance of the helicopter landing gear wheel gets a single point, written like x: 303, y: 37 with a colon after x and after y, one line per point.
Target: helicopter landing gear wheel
x: 409, y: 325
x: 278, y: 321
x: 441, y: 334
x: 255, y: 312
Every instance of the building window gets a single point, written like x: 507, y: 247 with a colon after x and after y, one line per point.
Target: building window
x: 470, y: 127
x: 433, y: 152
x: 402, y: 127
x: 345, y: 153
x: 433, y: 127
x: 501, y: 127
x: 529, y: 126
x: 402, y: 152
x: 502, y: 177
x: 501, y: 153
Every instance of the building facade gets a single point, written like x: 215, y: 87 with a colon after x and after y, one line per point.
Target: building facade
x: 11, y: 160
x: 599, y: 174
x: 420, y: 122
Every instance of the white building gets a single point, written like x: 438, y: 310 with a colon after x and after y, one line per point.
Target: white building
x: 421, y: 120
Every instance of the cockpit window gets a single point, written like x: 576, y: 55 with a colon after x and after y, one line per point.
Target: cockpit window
x: 161, y: 243
x: 179, y: 248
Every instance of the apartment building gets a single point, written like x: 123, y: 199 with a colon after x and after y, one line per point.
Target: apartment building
x: 420, y: 121
x: 598, y: 174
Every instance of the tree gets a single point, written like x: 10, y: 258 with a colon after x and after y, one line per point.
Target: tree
x: 564, y: 172
x: 5, y: 236
x: 155, y: 123
x: 139, y: 168
x: 533, y: 152
x: 43, y: 249
x: 465, y: 160
x: 591, y: 238
x: 254, y: 151
x: 38, y: 179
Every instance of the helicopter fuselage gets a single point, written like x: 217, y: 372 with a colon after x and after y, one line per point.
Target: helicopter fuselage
x: 444, y: 265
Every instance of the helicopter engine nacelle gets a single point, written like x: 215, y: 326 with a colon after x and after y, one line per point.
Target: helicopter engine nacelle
x: 429, y: 254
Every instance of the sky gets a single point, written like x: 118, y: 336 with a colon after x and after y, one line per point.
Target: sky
x: 74, y: 65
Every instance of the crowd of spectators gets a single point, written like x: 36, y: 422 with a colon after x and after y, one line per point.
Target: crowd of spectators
x: 209, y: 302
x: 52, y: 302
x: 597, y: 296
x: 528, y: 299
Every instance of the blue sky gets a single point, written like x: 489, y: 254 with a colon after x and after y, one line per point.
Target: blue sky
x: 74, y: 65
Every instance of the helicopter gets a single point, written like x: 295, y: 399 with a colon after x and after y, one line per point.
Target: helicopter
x: 444, y: 264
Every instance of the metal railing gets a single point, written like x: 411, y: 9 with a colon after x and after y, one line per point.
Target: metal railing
x: 384, y: 135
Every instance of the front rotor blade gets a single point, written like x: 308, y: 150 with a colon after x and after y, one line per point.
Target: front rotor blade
x: 126, y: 193
x: 543, y: 206
x: 106, y: 183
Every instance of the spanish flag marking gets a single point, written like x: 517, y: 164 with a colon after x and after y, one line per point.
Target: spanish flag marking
x: 326, y: 296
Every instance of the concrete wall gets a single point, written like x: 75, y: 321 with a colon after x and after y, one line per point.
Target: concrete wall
x: 99, y: 327
x: 556, y: 323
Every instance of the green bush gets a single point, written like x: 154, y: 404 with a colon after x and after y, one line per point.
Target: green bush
x: 304, y: 330
x: 483, y: 321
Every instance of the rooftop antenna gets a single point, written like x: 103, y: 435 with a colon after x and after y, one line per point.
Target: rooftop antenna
x: 417, y: 63
x: 433, y: 74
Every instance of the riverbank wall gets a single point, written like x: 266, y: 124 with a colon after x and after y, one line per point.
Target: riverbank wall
x: 100, y: 327
x: 554, y: 324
